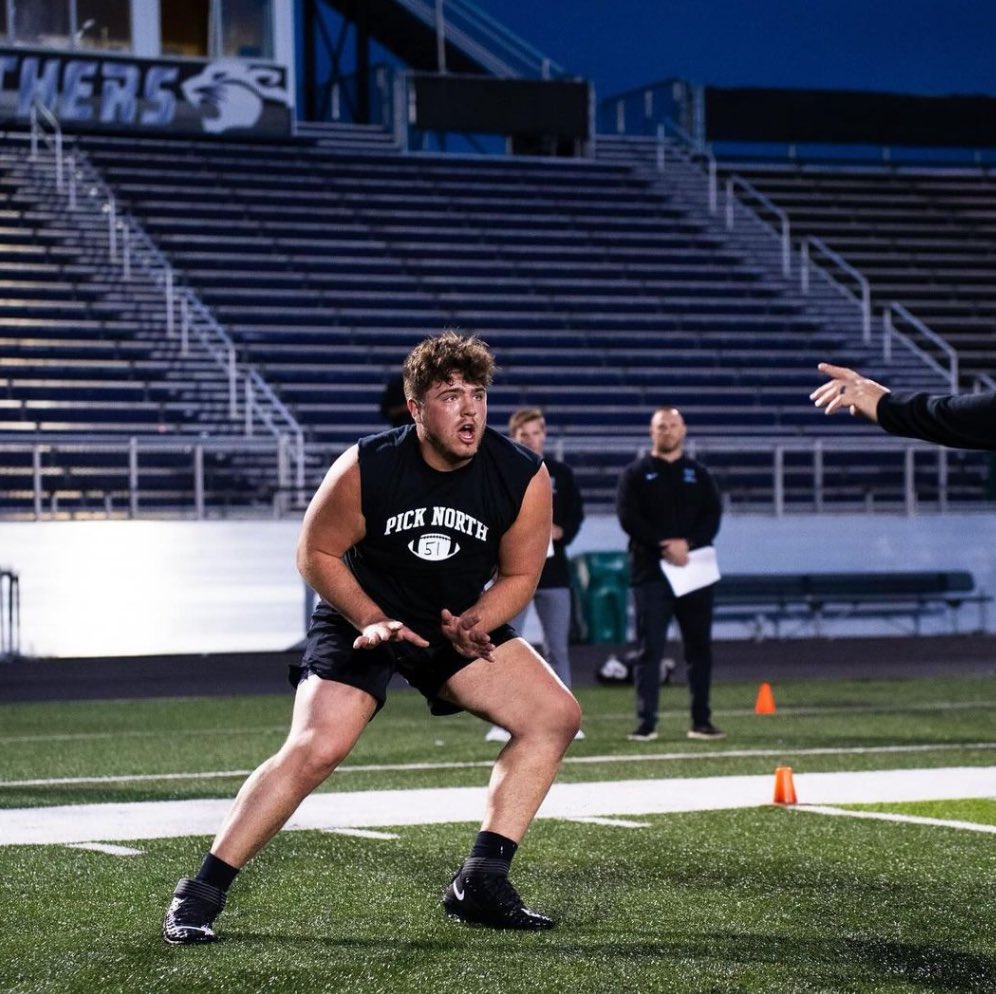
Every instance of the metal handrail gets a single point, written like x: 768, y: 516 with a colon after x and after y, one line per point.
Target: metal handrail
x: 983, y: 382
x: 694, y: 150
x: 785, y: 236
x: 889, y: 331
x: 39, y: 110
x: 777, y: 447
x: 531, y: 62
x: 864, y: 303
x: 131, y: 447
x: 195, y: 316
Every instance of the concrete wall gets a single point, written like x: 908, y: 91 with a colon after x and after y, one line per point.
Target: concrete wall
x: 146, y: 587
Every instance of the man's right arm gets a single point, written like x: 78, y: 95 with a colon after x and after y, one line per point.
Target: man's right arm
x: 627, y: 509
x: 966, y: 421
x: 332, y: 525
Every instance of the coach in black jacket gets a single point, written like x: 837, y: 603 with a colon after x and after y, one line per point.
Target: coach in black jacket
x: 962, y: 421
x: 668, y: 504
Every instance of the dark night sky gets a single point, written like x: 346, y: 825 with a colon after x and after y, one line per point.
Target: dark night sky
x: 918, y: 46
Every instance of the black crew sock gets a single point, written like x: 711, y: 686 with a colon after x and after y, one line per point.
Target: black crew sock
x: 492, y: 853
x: 217, y: 872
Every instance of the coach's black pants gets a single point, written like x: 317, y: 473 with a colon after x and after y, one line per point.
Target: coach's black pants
x: 655, y: 606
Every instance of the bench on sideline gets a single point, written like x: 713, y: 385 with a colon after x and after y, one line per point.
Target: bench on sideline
x: 807, y: 601
x: 783, y: 604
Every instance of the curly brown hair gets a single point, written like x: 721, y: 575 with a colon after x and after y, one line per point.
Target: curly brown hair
x: 436, y: 359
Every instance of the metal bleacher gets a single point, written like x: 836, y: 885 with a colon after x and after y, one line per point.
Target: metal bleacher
x: 95, y: 391
x: 923, y: 235
x: 602, y: 294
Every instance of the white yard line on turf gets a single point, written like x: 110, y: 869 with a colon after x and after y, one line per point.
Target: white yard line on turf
x: 639, y: 757
x: 802, y: 711
x: 970, y: 826
x: 383, y: 808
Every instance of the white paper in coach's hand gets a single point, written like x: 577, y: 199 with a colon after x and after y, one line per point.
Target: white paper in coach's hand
x: 702, y: 569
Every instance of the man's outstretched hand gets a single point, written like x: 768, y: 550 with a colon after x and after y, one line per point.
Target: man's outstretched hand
x: 848, y: 390
x: 467, y: 637
x: 379, y: 632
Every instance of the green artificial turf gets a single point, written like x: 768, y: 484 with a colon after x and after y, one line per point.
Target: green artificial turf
x: 765, y: 900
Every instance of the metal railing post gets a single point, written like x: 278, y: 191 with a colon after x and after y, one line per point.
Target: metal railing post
x: 660, y: 148
x: 804, y: 266
x: 133, y: 477
x: 909, y: 487
x: 184, y: 325
x: 169, y: 302
x: 36, y: 480
x: 779, y: 481
x: 126, y: 252
x: 818, y: 475
x: 199, y: 482
x: 33, y: 118
x: 112, y: 230
x: 729, y: 205
x: 713, y: 186
x: 887, y: 335
x: 71, y: 163
x: 247, y: 405
x: 233, y: 385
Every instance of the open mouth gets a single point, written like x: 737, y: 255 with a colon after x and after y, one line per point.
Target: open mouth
x: 467, y: 433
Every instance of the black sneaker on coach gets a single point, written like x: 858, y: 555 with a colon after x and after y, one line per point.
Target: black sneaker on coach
x: 490, y: 899
x: 706, y: 731
x: 644, y: 732
x: 192, y: 912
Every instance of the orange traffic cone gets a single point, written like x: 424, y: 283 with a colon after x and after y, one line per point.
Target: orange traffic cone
x: 784, y: 787
x: 765, y: 703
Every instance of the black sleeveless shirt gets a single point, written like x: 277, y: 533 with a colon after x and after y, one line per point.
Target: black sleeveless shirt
x: 432, y: 537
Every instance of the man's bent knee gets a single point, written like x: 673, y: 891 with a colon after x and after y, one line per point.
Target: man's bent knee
x: 310, y: 758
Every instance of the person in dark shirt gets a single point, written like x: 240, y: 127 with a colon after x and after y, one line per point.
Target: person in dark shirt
x: 962, y: 421
x: 669, y: 505
x: 401, y: 542
x: 394, y: 404
x: 552, y: 600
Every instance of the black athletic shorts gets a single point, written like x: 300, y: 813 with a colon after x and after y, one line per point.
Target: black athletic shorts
x: 329, y: 654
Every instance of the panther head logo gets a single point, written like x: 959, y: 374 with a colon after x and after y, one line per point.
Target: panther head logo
x: 230, y: 93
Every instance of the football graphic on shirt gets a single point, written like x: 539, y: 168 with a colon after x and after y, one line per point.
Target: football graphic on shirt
x: 434, y: 547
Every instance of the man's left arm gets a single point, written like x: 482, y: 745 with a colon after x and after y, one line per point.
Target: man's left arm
x: 710, y: 511
x: 570, y: 510
x: 521, y: 555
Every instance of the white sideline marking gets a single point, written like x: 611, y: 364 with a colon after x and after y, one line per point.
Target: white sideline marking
x: 665, y: 714
x: 106, y: 847
x: 970, y: 826
x: 612, y: 822
x: 638, y: 757
x: 362, y: 833
x: 430, y: 806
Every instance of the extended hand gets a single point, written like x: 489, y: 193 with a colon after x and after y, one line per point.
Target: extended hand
x: 379, y: 632
x: 467, y: 638
x: 848, y: 389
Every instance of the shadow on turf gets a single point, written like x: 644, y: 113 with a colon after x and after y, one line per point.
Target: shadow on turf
x: 935, y: 967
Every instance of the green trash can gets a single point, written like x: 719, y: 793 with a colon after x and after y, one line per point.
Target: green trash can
x: 603, y: 584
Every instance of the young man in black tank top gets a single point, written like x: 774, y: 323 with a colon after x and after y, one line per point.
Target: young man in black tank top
x: 399, y: 542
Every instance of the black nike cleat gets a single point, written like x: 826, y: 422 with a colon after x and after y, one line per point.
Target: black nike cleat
x: 192, y: 912
x: 490, y: 899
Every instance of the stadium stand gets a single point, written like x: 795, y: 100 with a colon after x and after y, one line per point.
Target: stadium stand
x: 93, y: 381
x: 602, y: 291
x: 922, y: 235
x: 327, y: 266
